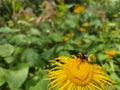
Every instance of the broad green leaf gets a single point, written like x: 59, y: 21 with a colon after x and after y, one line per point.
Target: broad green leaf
x: 101, y: 57
x: 57, y: 37
x: 15, y: 78
x: 59, y: 48
x: 115, y: 77
x: 71, y: 21
x: 33, y: 31
x: 6, y: 50
x: 43, y: 40
x: 18, y: 50
x: 47, y: 54
x: 20, y: 39
x: 30, y: 56
x: 41, y: 85
x: 68, y: 47
x: 9, y: 59
x: 2, y: 74
x: 8, y: 30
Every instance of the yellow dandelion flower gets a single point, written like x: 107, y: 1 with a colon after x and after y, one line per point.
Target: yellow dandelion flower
x: 83, y: 29
x: 85, y: 24
x: 78, y: 9
x: 65, y: 39
x: 69, y: 35
x: 110, y: 53
x: 72, y: 73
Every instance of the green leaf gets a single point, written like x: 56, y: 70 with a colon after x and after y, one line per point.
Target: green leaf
x: 111, y: 24
x: 57, y: 37
x: 8, y: 30
x: 2, y: 74
x: 16, y: 78
x: 115, y: 77
x: 47, y: 54
x: 16, y: 5
x: 64, y: 53
x: 25, y: 23
x: 41, y: 85
x: 100, y: 47
x: 95, y: 23
x: 6, y: 50
x: 68, y: 47
x: 20, y: 39
x: 117, y: 87
x: 106, y: 66
x: 9, y: 59
x: 45, y: 25
x: 71, y: 22
x: 59, y: 48
x: 34, y: 31
x: 30, y: 56
x: 101, y: 57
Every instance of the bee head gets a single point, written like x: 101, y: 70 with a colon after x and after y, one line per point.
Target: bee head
x: 80, y: 55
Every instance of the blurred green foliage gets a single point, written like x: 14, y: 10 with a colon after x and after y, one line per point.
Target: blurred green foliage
x: 27, y: 44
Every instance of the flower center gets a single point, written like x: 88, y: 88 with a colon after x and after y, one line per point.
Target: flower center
x: 79, y: 72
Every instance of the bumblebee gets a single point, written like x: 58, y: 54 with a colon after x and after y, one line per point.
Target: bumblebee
x: 82, y: 56
x: 90, y: 58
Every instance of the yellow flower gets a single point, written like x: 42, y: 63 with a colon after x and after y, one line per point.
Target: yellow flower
x: 72, y: 73
x: 78, y: 8
x: 115, y: 15
x: 85, y: 24
x: 65, y: 39
x: 82, y: 29
x: 110, y: 53
x: 69, y: 35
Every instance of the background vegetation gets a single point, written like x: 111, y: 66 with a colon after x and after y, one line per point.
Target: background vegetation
x: 32, y: 32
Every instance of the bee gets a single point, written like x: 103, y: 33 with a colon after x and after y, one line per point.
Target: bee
x: 89, y: 58
x: 82, y: 56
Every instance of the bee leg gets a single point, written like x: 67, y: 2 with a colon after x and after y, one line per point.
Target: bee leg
x: 80, y: 63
